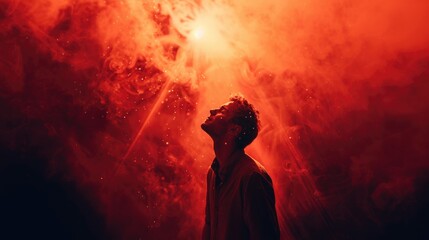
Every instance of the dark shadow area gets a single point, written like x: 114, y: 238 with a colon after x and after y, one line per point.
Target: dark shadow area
x: 36, y: 206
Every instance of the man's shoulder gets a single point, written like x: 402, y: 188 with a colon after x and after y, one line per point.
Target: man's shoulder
x: 249, y: 168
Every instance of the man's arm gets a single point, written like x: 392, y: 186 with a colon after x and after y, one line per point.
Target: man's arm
x: 259, y: 208
x: 206, y: 229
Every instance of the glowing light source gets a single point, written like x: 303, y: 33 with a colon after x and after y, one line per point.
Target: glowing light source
x: 198, y: 33
x: 211, y: 30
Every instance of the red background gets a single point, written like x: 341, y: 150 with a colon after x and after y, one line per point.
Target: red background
x: 101, y: 103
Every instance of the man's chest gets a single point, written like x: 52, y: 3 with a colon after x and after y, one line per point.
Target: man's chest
x: 227, y: 198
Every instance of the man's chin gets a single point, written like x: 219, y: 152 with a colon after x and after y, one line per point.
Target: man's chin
x: 204, y: 126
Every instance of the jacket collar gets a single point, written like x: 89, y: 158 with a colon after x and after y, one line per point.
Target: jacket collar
x: 224, y: 172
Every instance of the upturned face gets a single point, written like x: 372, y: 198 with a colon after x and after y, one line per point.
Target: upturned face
x: 218, y: 123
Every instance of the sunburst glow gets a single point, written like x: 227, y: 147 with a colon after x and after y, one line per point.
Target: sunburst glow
x: 109, y: 96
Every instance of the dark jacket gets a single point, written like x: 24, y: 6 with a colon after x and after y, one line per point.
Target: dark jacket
x: 240, y: 202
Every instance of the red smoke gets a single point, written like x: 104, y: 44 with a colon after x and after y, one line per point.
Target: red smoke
x: 106, y: 98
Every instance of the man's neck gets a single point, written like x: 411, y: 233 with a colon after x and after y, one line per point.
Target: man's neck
x: 224, y: 151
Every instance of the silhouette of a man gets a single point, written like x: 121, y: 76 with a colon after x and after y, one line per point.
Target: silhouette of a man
x: 240, y: 202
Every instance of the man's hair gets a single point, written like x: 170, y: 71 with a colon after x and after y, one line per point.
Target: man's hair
x: 247, y: 117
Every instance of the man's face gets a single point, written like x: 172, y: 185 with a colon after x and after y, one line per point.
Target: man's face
x: 217, y: 124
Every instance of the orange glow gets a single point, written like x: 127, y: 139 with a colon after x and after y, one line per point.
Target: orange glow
x: 198, y: 33
x: 122, y: 87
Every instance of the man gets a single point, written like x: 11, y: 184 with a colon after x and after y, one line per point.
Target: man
x: 240, y: 201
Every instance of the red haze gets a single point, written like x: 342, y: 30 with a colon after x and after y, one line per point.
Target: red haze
x: 102, y: 101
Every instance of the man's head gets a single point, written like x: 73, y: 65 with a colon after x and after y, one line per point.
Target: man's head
x: 235, y: 120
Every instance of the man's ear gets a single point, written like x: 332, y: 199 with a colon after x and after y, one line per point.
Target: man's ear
x: 234, y: 129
